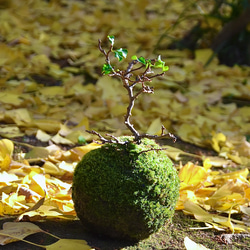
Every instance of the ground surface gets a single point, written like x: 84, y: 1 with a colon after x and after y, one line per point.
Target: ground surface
x: 170, y: 237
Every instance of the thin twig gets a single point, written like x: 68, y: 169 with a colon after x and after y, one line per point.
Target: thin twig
x: 130, y: 66
x: 158, y: 136
x: 163, y: 135
x: 115, y: 138
x: 102, y: 139
x: 150, y: 77
x: 152, y: 149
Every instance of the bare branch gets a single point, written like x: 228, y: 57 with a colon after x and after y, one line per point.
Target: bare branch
x: 115, y: 138
x: 162, y: 74
x: 129, y: 69
x: 158, y: 136
x: 100, y: 48
x: 129, y: 109
x: 102, y: 139
x: 163, y: 135
x: 130, y: 66
x: 152, y: 149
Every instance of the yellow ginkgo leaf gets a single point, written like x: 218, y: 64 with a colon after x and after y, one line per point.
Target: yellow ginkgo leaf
x: 245, y: 210
x: 65, y: 244
x: 38, y: 183
x: 174, y: 153
x: 235, y: 158
x: 216, y: 140
x: 10, y: 98
x: 10, y: 132
x: 222, y: 178
x: 192, y: 175
x: 224, y: 222
x: 6, y: 147
x: 6, y: 150
x: 37, y: 152
x: 191, y: 245
x: 5, y: 162
x: 18, y: 230
x: 155, y: 127
x: 47, y: 125
x: 6, y: 177
x: 199, y: 213
x: 20, y: 116
x: 43, y: 136
x: 82, y: 150
x: 207, y: 164
x: 51, y: 168
x: 216, y: 161
x: 58, y: 139
x: 185, y: 195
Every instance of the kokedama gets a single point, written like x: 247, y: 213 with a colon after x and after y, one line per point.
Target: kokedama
x: 127, y: 188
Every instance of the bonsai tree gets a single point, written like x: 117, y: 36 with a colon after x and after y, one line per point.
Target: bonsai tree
x: 127, y: 188
x: 130, y: 79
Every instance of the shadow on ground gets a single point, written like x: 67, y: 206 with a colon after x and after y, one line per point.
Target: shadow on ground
x: 62, y: 229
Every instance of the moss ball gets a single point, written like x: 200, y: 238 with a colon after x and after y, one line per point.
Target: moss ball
x: 125, y: 191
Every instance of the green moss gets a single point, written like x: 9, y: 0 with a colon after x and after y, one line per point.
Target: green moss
x: 123, y: 192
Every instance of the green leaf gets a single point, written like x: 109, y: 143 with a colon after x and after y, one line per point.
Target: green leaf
x: 134, y: 57
x: 159, y: 59
x: 112, y: 40
x: 142, y: 60
x: 82, y: 140
x: 107, y: 69
x: 159, y: 63
x: 121, y: 53
x: 165, y: 68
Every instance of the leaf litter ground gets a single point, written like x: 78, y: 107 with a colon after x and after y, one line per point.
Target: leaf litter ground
x: 51, y: 91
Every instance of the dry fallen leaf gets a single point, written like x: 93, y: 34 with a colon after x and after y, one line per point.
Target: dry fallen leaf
x: 19, y: 230
x: 65, y: 244
x: 191, y: 245
x: 7, y: 148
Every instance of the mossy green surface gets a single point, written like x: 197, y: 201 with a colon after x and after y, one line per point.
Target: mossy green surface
x: 125, y: 191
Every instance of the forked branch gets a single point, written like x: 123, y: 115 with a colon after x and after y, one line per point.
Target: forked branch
x: 130, y: 77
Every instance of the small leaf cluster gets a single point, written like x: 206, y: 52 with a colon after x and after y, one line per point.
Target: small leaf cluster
x: 121, y: 53
x: 150, y: 63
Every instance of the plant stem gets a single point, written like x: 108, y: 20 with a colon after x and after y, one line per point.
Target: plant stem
x: 129, y: 84
x: 132, y: 98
